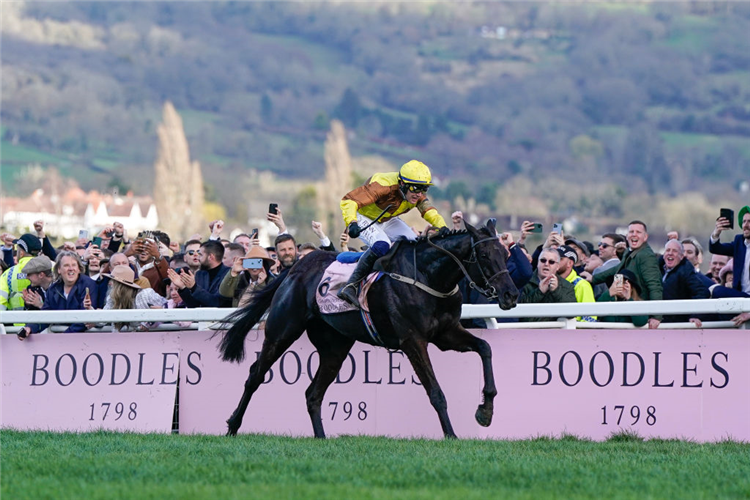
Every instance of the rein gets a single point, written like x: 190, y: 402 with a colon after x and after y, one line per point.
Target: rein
x: 490, y: 292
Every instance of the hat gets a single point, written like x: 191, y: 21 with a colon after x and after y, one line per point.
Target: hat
x: 29, y: 242
x: 566, y: 251
x: 743, y: 211
x: 124, y: 275
x: 628, y: 275
x: 257, y: 252
x: 582, y: 246
x: 38, y: 265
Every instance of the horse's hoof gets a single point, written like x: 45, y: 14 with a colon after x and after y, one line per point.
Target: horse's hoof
x: 231, y: 428
x: 483, y: 416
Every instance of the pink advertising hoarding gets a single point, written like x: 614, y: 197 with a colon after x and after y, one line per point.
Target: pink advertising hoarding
x: 668, y: 384
x: 87, y: 381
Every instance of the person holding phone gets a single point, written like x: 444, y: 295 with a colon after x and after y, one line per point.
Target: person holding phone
x: 738, y: 249
x: 69, y: 292
x: 371, y: 213
x: 249, y: 273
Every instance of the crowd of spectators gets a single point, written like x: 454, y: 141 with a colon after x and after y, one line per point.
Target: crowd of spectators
x: 115, y: 270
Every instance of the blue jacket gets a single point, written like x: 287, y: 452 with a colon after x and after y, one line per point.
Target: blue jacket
x: 56, y: 301
x: 682, y: 282
x: 736, y: 250
x: 205, y: 293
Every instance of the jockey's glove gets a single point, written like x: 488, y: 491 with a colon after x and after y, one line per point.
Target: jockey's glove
x: 354, y: 230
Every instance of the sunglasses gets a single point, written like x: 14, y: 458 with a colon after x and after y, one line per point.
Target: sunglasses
x: 193, y: 252
x: 418, y: 188
x: 604, y: 245
x: 548, y: 261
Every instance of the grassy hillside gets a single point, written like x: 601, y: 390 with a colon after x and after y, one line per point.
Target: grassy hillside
x: 652, y: 97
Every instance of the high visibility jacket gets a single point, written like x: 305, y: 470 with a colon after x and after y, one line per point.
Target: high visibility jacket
x: 381, y: 191
x: 584, y: 292
x: 12, y: 283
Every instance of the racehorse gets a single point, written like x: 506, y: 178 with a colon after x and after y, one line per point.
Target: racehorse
x: 417, y: 302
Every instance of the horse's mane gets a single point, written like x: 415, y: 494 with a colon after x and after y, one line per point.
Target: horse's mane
x: 435, y: 237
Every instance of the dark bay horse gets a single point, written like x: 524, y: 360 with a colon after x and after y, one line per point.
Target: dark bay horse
x: 407, y: 316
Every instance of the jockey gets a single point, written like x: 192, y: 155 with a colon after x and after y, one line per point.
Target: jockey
x: 376, y: 207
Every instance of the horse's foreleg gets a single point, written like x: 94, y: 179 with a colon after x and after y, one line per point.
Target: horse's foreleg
x: 461, y: 340
x: 271, y: 351
x: 416, y: 351
x: 332, y: 350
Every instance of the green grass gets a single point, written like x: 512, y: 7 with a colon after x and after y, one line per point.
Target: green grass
x: 110, y: 465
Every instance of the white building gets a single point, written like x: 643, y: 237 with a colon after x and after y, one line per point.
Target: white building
x: 64, y: 216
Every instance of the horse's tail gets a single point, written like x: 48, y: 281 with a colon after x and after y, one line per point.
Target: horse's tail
x: 232, y: 344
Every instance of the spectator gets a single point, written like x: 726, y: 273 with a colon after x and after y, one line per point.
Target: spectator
x: 67, y: 292
x: 245, y: 240
x: 545, y: 286
x: 325, y: 241
x: 726, y: 275
x: 286, y: 250
x: 47, y: 248
x: 739, y: 248
x: 642, y: 261
x: 231, y: 252
x: 582, y: 251
x: 149, y: 262
x: 625, y: 290
x: 202, y: 289
x: 717, y: 262
x: 92, y: 260
x: 304, y: 249
x: 13, y: 281
x: 608, y: 255
x: 193, y: 255
x: 344, y: 241
x: 693, y: 253
x: 177, y: 261
x: 239, y: 282
x: 118, y: 235
x: 680, y: 279
x: 125, y: 294
x: 566, y: 270
x: 39, y: 273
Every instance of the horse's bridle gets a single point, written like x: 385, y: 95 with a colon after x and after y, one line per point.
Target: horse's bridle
x: 490, y: 292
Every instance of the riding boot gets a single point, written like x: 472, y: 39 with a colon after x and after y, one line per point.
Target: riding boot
x: 364, y: 267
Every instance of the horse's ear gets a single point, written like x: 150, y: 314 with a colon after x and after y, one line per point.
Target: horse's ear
x: 471, y: 229
x: 492, y: 224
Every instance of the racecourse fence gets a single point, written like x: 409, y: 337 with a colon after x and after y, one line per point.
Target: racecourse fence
x: 562, y: 316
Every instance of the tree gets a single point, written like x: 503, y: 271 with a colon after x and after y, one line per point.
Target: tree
x: 350, y: 108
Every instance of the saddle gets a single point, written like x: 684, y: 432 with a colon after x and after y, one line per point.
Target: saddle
x: 334, y: 278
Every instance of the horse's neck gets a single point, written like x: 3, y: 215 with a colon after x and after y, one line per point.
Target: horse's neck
x: 440, y: 269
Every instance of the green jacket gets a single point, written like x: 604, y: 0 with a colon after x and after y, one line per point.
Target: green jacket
x: 645, y: 265
x: 636, y: 320
x: 530, y: 294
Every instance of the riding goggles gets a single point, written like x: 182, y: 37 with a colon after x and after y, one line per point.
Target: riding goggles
x: 418, y: 188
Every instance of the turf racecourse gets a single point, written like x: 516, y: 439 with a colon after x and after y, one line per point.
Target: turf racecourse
x: 110, y: 465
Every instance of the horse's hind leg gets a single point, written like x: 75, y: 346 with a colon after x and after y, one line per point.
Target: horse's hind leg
x: 332, y: 350
x: 273, y: 347
x: 461, y: 340
x: 416, y: 351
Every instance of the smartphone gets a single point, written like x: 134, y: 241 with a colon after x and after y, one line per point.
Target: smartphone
x: 255, y: 233
x: 537, y: 227
x: 273, y: 208
x: 729, y: 214
x: 97, y: 241
x: 252, y: 263
x: 618, y: 279
x: 557, y: 228
x: 83, y: 234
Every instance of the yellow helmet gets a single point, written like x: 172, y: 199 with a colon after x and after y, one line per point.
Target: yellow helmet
x: 415, y: 172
